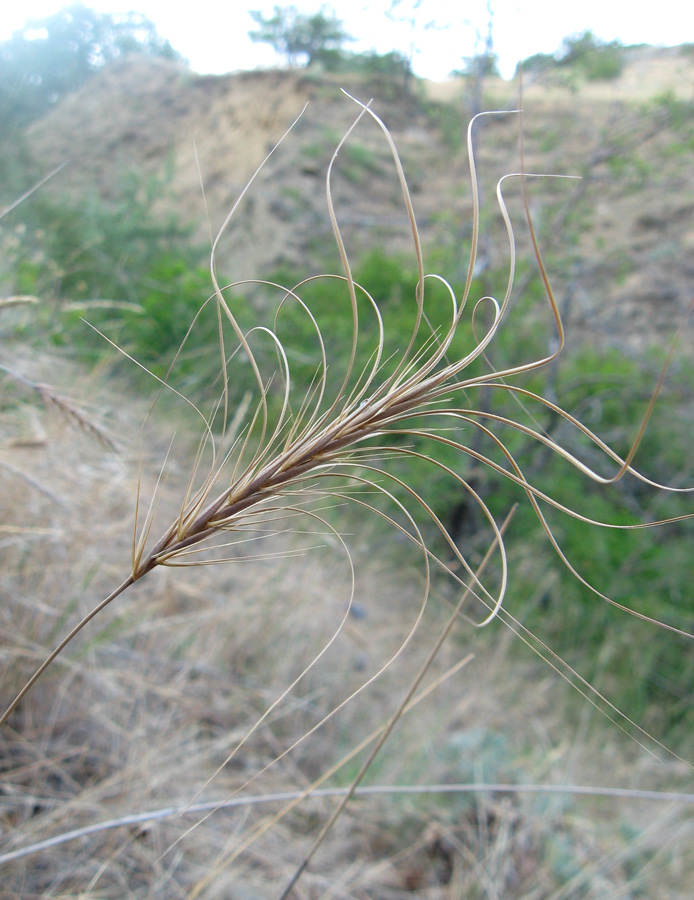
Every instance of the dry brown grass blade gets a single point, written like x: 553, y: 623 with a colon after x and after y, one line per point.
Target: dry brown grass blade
x: 19, y: 300
x: 66, y: 407
x: 32, y: 190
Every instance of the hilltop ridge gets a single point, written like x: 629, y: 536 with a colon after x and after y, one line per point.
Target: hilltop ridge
x: 621, y: 239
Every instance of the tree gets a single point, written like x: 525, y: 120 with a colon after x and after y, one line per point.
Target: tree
x: 583, y: 55
x: 595, y: 59
x: 294, y: 34
x: 51, y: 57
x: 484, y: 65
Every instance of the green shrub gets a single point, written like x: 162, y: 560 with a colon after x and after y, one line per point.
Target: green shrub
x: 591, y: 57
x: 138, y: 278
x: 584, y: 55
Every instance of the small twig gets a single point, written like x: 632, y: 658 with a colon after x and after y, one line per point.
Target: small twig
x: 26, y: 194
x: 67, y: 407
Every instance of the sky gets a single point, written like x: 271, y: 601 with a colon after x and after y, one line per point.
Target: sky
x: 213, y: 36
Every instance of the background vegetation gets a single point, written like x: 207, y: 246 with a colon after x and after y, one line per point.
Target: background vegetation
x: 52, y: 57
x: 141, y: 278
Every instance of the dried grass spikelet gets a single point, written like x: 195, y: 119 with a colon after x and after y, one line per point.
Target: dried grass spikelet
x: 278, y: 468
x: 18, y: 300
x: 65, y: 406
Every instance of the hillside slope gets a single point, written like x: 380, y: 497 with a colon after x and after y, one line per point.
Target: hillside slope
x: 619, y: 241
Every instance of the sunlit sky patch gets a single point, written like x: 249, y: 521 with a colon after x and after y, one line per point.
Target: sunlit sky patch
x: 214, y: 36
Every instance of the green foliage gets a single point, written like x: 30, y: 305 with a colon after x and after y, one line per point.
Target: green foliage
x: 584, y: 55
x: 483, y: 65
x: 319, y: 40
x: 359, y: 161
x: 392, y: 285
x: 388, y: 75
x: 136, y: 278
x: 295, y: 35
x: 609, y: 392
x: 51, y: 57
x: 678, y: 116
x: 382, y: 67
x: 632, y: 661
x: 451, y: 127
x: 631, y: 169
x: 591, y: 57
x: 538, y: 63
